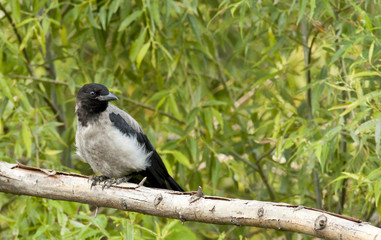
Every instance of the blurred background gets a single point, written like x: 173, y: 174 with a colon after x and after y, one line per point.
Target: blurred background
x: 266, y: 100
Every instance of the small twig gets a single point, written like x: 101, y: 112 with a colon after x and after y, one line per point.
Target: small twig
x: 259, y: 159
x: 96, y: 211
x: 152, y: 109
x: 142, y: 182
x: 264, y: 178
x: 199, y: 194
x: 139, y: 104
x: 236, y: 155
x: 40, y: 79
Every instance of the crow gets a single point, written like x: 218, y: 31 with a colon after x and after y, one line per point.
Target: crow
x: 114, y: 144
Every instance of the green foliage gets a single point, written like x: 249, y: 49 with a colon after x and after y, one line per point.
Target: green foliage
x: 275, y: 101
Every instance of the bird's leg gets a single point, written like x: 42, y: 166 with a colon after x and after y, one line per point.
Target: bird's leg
x: 97, y: 179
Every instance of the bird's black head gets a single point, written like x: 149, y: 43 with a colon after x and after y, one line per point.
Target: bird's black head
x: 92, y: 99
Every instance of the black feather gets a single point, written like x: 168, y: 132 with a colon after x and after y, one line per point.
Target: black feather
x: 157, y: 175
x: 90, y: 108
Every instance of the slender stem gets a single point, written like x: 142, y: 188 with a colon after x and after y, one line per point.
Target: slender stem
x: 236, y: 155
x: 139, y: 104
x: 307, y: 62
x: 257, y: 164
x: 264, y: 178
x: 307, y: 50
x: 343, y: 143
x: 50, y: 67
x: 40, y: 79
x: 259, y: 159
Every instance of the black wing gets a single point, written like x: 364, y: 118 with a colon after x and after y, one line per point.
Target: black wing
x: 157, y: 175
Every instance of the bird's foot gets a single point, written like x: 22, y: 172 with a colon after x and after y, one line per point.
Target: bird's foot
x: 108, y: 182
x: 116, y: 181
x: 122, y: 179
x: 97, y: 179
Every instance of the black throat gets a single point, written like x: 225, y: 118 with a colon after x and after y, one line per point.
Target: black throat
x: 89, y: 111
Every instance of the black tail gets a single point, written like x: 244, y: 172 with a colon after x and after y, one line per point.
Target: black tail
x: 157, y: 181
x: 157, y: 175
x: 174, y: 185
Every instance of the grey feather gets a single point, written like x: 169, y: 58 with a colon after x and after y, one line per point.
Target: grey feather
x: 107, y: 150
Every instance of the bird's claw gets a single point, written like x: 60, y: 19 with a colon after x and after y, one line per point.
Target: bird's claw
x: 108, y: 182
x: 122, y: 180
x: 97, y: 179
x: 116, y: 181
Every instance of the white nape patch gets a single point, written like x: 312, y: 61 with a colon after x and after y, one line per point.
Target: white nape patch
x: 108, y: 150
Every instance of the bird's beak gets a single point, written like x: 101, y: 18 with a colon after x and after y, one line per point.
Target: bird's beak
x: 108, y: 97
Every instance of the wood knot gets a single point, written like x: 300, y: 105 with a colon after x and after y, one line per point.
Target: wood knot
x: 123, y: 204
x: 213, y: 209
x: 181, y: 218
x: 235, y: 221
x: 261, y: 212
x: 158, y: 199
x: 320, y: 222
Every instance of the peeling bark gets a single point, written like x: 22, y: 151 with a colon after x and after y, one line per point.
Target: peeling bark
x: 189, y: 206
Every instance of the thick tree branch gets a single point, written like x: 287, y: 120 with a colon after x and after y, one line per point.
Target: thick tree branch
x: 192, y: 206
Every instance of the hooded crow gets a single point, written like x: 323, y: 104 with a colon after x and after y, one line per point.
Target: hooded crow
x: 114, y: 144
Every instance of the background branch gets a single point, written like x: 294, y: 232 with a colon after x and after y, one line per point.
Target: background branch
x: 136, y: 103
x: 23, y: 180
x: 19, y: 39
x: 307, y: 52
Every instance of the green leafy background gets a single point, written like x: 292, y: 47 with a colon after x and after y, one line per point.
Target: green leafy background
x: 266, y: 100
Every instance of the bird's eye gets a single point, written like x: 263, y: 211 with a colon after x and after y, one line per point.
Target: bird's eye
x: 92, y: 93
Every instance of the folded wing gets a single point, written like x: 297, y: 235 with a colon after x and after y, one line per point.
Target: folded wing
x: 157, y: 175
